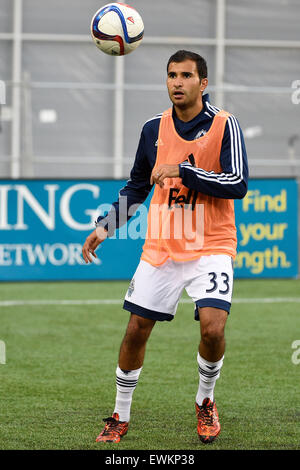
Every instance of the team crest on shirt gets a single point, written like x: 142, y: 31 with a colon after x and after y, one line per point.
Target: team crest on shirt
x: 130, y: 288
x: 200, y: 134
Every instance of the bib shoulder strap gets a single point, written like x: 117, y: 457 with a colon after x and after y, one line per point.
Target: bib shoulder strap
x: 222, y: 113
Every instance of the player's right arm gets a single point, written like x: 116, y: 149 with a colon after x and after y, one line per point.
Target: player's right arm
x: 92, y: 242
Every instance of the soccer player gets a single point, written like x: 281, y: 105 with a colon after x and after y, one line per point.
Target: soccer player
x: 194, y: 154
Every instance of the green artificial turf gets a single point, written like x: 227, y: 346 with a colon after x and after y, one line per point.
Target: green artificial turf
x: 58, y: 381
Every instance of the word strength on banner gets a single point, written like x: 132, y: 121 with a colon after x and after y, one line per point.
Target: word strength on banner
x: 43, y: 225
x: 267, y: 230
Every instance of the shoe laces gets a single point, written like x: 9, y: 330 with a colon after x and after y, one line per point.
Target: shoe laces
x: 111, y: 425
x: 206, y: 413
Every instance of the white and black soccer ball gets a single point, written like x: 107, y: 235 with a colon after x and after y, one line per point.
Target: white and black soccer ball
x: 117, y: 29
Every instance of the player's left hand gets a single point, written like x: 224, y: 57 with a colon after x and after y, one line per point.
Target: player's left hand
x: 161, y: 172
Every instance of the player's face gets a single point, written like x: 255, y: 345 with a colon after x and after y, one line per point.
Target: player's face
x: 184, y: 85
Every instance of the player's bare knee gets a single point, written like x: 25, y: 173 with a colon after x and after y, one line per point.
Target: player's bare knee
x: 139, y: 328
x: 212, y: 334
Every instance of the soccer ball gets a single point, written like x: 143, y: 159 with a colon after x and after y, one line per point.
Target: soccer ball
x: 117, y: 29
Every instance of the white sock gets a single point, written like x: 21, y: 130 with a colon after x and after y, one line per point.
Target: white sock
x: 126, y: 383
x: 209, y: 372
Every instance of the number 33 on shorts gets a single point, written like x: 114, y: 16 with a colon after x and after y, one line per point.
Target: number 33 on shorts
x: 225, y: 279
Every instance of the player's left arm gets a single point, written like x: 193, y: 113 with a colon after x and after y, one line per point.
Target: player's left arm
x: 231, y: 183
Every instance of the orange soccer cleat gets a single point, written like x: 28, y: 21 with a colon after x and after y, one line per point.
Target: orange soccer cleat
x: 208, y: 421
x: 113, y: 430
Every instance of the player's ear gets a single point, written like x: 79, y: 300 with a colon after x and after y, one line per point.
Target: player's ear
x: 203, y: 84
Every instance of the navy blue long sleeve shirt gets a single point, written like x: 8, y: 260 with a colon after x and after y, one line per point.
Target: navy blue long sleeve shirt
x: 231, y: 183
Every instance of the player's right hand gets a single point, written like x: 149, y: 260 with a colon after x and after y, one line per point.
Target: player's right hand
x: 92, y: 242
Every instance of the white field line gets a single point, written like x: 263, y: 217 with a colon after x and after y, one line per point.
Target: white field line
x: 258, y: 300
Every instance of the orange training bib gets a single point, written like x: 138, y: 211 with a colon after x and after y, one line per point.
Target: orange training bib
x: 182, y: 223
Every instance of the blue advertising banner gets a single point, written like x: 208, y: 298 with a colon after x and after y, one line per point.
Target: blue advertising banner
x: 43, y: 224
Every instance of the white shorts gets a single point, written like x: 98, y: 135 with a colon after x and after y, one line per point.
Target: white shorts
x: 154, y: 291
